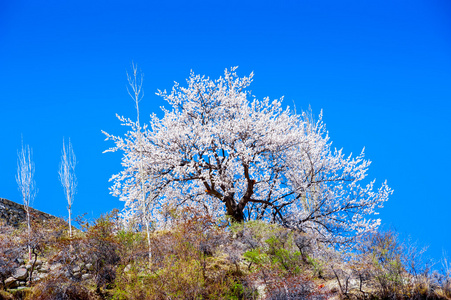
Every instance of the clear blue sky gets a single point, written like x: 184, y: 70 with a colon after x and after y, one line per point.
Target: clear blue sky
x: 380, y: 70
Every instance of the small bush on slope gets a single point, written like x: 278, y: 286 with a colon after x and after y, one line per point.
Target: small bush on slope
x: 185, y: 264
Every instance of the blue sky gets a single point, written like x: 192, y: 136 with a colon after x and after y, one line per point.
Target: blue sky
x: 380, y: 70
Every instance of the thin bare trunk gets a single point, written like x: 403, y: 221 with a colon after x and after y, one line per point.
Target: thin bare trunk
x: 137, y: 94
x: 29, y: 232
x: 70, y: 222
x: 148, y: 242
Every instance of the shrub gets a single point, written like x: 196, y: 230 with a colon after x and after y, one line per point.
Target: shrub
x: 295, y: 288
x: 100, y: 247
x: 61, y: 288
x: 11, y: 251
x: 183, y: 263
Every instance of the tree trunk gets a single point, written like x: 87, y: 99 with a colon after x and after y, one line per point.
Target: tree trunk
x: 148, y: 242
x: 233, y: 210
x: 70, y: 222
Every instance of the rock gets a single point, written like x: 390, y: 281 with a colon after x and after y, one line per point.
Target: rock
x: 76, y: 269
x: 260, y: 286
x: 11, y: 283
x: 55, y: 266
x: 90, y: 267
x: 20, y: 273
x: 127, y: 268
x: 28, y: 267
x: 86, y: 276
x: 77, y: 275
x: 38, y: 262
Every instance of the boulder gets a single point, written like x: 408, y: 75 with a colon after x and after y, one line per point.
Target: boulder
x: 20, y: 273
x: 11, y: 283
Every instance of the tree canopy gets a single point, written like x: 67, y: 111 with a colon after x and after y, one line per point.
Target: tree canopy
x: 221, y: 150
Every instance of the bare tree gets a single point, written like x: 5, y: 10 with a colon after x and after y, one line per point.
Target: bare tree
x: 135, y: 82
x: 26, y: 183
x: 68, y: 178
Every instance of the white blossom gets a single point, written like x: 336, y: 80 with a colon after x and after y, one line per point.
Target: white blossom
x: 219, y: 149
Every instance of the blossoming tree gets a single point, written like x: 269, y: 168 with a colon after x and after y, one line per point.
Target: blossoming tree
x: 223, y: 151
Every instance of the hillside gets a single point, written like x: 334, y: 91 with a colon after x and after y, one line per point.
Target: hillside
x: 14, y: 214
x: 199, y: 258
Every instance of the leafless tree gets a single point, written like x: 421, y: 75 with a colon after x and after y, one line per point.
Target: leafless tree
x: 26, y: 183
x: 68, y: 178
x: 135, y: 82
